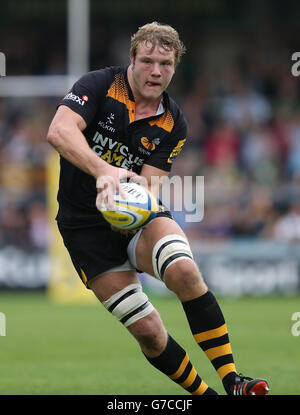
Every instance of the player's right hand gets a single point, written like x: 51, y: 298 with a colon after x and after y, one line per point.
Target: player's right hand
x: 109, y: 183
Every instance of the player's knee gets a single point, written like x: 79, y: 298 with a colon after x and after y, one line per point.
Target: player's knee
x: 150, y: 333
x: 132, y: 308
x: 147, y: 326
x: 183, y: 273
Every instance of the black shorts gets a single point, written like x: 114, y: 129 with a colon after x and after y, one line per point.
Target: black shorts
x: 97, y: 249
x: 94, y: 249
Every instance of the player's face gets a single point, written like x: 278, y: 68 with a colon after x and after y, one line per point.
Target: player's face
x: 152, y: 70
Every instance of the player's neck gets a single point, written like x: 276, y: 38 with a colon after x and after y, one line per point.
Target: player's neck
x: 144, y: 107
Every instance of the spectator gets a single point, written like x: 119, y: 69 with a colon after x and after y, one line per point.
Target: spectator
x: 221, y: 147
x: 14, y: 226
x: 287, y: 227
x: 38, y: 226
x: 293, y: 157
x: 244, y: 106
x: 260, y: 154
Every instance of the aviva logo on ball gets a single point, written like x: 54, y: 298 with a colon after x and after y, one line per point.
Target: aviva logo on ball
x: 133, y: 212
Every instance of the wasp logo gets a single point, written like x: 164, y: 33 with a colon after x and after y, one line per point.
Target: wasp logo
x: 150, y: 145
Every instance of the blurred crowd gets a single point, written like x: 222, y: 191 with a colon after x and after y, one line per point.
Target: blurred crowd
x: 243, y: 137
x: 23, y: 159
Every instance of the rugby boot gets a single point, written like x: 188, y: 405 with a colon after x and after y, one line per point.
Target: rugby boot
x: 247, y: 386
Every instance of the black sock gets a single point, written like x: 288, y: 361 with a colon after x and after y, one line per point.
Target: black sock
x: 209, y: 329
x: 175, y: 363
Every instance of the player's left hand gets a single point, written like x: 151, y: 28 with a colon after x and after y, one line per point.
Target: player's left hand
x: 122, y: 231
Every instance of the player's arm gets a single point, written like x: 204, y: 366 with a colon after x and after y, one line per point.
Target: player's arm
x: 154, y: 178
x: 65, y: 135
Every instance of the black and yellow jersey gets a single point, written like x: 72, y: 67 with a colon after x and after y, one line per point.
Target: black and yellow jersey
x: 105, y: 101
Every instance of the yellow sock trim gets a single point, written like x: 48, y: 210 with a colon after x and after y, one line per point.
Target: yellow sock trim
x: 225, y: 369
x: 181, y: 368
x: 201, y: 389
x: 211, y: 334
x: 218, y: 351
x: 190, y: 379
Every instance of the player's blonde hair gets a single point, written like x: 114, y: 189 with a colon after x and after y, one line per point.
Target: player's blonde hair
x: 158, y: 34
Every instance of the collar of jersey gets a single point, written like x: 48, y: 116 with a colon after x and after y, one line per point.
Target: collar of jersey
x: 164, y: 103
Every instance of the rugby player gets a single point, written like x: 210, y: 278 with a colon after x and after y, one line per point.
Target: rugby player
x: 115, y: 123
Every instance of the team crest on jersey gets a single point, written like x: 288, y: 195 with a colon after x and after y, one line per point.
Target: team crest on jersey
x: 150, y: 144
x: 176, y: 150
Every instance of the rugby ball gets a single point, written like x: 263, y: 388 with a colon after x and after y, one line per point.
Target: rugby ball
x: 134, y: 211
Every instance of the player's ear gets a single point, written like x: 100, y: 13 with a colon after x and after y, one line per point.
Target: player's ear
x: 132, y: 60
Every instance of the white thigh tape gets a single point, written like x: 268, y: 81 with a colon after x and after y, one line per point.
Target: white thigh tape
x: 167, y: 251
x: 129, y: 305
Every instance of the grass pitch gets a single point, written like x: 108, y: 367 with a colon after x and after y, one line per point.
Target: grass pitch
x: 81, y: 349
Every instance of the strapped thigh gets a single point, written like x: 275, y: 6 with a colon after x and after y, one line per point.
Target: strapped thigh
x: 129, y: 305
x: 167, y: 251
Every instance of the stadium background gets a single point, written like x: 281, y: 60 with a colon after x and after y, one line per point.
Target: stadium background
x: 242, y: 104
